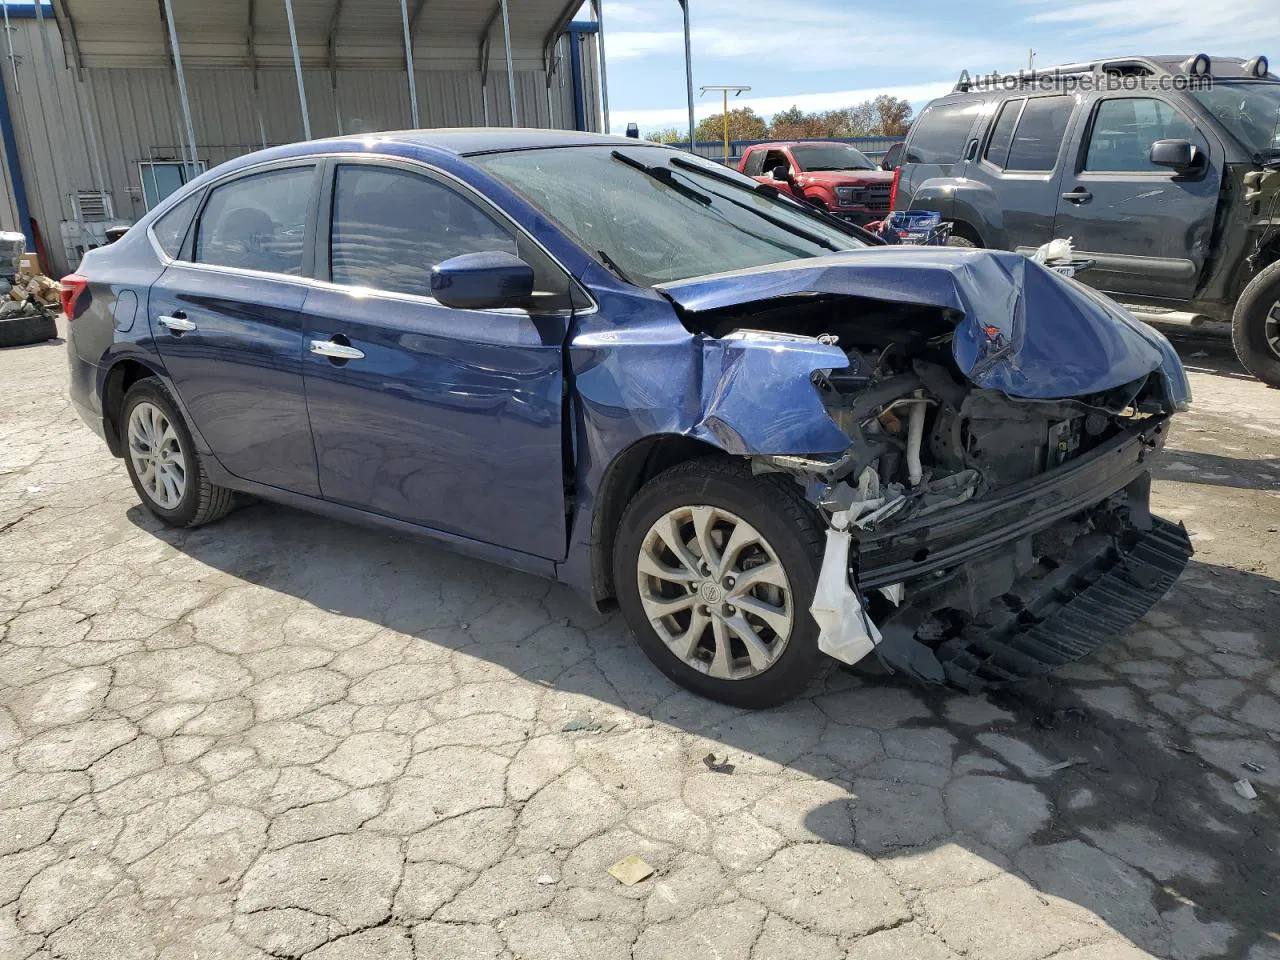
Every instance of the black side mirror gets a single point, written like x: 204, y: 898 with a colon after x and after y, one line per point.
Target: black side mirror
x: 482, y: 281
x: 1178, y: 155
x: 781, y: 174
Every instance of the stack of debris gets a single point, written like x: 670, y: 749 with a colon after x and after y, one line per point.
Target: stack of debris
x: 29, y: 300
x: 25, y: 292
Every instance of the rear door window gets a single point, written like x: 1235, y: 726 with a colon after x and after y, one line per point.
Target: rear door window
x: 755, y: 163
x: 1124, y: 129
x: 940, y: 134
x: 257, y: 222
x: 1038, y: 138
x: 1002, y: 133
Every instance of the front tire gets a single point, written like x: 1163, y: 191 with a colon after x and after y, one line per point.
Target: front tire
x: 1255, y: 326
x: 715, y: 570
x: 162, y: 461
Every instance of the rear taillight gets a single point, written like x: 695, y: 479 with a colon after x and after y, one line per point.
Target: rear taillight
x: 72, y: 286
x: 893, y: 191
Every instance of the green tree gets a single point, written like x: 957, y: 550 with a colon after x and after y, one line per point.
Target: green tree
x: 667, y: 135
x: 794, y: 124
x: 893, y: 115
x: 744, y: 124
x: 883, y: 116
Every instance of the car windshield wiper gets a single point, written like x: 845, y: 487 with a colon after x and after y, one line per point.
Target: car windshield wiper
x: 612, y: 264
x: 754, y: 186
x: 664, y: 176
x: 801, y: 232
x: 767, y: 190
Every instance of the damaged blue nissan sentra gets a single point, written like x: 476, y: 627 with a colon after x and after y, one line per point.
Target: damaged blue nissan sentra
x: 763, y: 434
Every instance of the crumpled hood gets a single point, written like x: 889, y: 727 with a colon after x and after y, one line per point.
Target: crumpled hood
x: 1023, y: 329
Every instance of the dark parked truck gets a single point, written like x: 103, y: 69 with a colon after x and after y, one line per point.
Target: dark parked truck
x: 1164, y: 171
x: 765, y: 435
x: 833, y: 176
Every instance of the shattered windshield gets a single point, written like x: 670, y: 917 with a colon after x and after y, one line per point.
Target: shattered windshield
x: 652, y: 221
x: 833, y: 157
x: 1250, y: 110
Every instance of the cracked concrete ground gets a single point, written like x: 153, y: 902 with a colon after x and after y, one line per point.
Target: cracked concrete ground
x: 281, y: 736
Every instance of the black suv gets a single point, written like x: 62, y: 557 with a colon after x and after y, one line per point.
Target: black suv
x: 1164, y: 171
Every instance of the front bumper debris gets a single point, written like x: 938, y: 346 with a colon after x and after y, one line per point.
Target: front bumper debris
x: 1091, y: 597
x: 1074, y: 612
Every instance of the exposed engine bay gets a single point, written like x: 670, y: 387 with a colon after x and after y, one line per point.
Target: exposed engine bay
x: 923, y: 438
x: 956, y: 510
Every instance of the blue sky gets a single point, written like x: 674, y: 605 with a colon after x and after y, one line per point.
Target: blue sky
x: 823, y: 54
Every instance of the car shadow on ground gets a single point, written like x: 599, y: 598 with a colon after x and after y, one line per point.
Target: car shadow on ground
x: 1138, y: 825
x: 1205, y: 350
x: 1213, y: 469
x: 54, y: 342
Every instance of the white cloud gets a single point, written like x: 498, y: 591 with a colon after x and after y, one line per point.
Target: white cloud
x: 616, y: 12
x: 795, y: 36
x: 656, y: 118
x: 775, y: 45
x: 1228, y: 27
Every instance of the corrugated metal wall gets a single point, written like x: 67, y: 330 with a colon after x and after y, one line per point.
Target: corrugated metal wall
x: 136, y: 115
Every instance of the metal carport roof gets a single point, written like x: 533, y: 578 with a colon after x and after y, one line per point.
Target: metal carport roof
x: 331, y: 33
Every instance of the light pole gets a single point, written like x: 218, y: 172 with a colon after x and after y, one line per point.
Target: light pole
x: 688, y: 71
x: 735, y: 89
x: 604, y: 71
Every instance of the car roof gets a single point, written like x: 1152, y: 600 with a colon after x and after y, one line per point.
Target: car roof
x: 798, y: 143
x: 457, y: 141
x: 466, y: 141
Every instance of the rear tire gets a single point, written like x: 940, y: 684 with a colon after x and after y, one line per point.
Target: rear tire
x: 1255, y: 326
x: 780, y: 537
x: 162, y: 461
x: 957, y: 241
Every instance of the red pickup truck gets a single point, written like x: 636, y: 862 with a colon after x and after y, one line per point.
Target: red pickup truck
x: 833, y: 176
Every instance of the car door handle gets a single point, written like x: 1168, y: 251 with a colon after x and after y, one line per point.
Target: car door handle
x: 178, y: 323
x: 336, y: 351
x: 1078, y: 195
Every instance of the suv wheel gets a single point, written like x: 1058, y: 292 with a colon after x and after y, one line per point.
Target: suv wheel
x: 715, y: 570
x: 1255, y: 326
x: 162, y: 460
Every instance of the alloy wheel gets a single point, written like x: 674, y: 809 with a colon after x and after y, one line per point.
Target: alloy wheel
x: 1271, y: 329
x: 715, y: 592
x: 157, y: 457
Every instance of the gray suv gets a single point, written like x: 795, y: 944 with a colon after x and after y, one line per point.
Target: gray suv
x: 1164, y: 171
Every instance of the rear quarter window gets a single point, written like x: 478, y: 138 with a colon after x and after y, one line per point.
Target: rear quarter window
x: 170, y: 229
x: 755, y: 163
x: 940, y: 134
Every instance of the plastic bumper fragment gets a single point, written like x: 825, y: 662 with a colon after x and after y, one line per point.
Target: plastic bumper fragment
x: 846, y: 632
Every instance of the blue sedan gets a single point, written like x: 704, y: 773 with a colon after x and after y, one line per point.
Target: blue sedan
x: 760, y: 433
